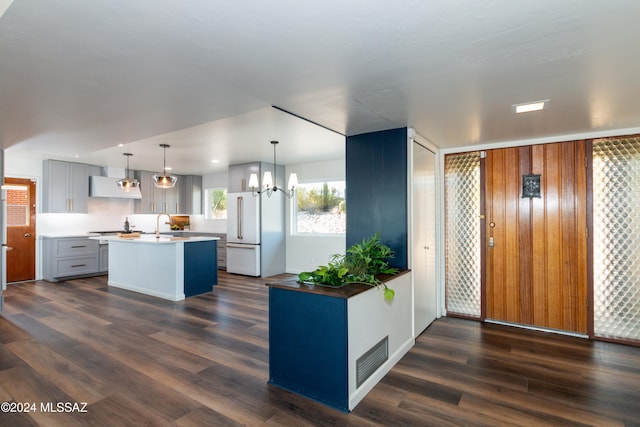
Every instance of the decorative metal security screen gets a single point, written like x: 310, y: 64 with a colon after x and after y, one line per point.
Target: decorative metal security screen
x: 462, y: 228
x: 616, y: 238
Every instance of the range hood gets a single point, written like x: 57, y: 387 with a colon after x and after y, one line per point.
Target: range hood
x: 106, y: 186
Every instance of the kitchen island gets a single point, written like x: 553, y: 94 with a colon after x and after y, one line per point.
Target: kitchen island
x: 165, y: 266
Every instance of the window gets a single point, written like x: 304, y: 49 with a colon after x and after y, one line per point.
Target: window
x: 215, y: 203
x: 320, y: 208
x: 17, y: 205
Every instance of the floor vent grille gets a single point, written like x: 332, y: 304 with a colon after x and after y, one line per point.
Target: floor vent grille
x: 369, y: 362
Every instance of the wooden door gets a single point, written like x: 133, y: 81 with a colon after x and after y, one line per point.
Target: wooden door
x: 21, y: 229
x: 536, y: 254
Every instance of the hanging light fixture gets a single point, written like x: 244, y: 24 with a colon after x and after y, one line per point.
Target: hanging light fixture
x: 126, y: 183
x: 269, y: 182
x: 165, y: 180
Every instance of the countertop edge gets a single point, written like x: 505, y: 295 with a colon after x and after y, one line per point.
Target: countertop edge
x: 346, y: 291
x: 150, y: 239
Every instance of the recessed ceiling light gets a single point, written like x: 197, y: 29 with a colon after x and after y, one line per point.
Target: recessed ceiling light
x: 120, y: 145
x: 530, y: 106
x: 168, y: 168
x: 215, y: 161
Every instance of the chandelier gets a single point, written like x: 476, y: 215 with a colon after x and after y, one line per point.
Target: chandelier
x: 269, y: 181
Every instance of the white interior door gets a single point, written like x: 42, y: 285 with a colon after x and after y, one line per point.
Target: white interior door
x: 424, y: 230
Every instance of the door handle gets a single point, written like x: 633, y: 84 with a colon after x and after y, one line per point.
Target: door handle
x: 27, y: 234
x: 8, y: 248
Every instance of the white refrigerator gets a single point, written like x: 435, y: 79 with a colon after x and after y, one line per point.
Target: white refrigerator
x: 243, y: 234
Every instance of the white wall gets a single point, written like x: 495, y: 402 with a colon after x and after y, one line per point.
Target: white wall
x: 22, y: 165
x: 306, y: 252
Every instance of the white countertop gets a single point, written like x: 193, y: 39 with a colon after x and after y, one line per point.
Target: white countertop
x: 151, y: 239
x: 64, y: 235
x: 67, y: 234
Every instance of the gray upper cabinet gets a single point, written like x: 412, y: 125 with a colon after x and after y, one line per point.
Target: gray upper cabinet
x: 151, y: 201
x: 239, y: 176
x: 191, y: 200
x: 169, y: 198
x: 66, y: 187
x: 184, y: 198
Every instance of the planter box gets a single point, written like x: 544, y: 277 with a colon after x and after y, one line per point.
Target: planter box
x: 334, y: 345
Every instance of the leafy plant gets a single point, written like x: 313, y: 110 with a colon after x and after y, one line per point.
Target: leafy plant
x: 332, y: 274
x: 362, y: 263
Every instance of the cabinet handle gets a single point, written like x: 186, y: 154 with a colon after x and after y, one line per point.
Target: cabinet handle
x: 78, y: 265
x: 71, y: 205
x: 80, y: 246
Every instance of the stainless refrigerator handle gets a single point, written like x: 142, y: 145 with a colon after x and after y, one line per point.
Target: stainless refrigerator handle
x: 240, y: 207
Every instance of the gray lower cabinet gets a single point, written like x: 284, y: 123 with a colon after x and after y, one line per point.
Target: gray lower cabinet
x: 222, y: 251
x: 104, y: 258
x: 66, y: 257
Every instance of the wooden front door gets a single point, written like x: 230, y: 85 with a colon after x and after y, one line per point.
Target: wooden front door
x: 20, y: 205
x: 536, y: 253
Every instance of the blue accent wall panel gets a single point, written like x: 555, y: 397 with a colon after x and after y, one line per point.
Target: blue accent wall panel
x: 308, y: 345
x: 376, y: 194
x: 200, y: 267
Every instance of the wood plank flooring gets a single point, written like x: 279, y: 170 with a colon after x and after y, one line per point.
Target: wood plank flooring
x: 138, y: 360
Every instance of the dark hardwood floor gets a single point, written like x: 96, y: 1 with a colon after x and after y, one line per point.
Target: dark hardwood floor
x: 138, y: 360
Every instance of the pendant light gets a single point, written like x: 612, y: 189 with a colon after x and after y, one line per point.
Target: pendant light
x: 165, y: 180
x: 269, y: 183
x: 126, y: 183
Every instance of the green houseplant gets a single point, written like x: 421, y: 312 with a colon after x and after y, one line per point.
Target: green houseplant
x: 362, y: 263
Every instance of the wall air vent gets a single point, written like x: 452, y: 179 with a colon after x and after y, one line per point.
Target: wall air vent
x: 369, y: 362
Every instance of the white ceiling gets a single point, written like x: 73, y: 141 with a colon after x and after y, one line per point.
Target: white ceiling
x: 79, y: 77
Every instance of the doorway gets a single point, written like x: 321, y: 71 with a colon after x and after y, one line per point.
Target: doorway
x: 424, y: 226
x: 517, y: 236
x: 536, y: 228
x: 20, y: 217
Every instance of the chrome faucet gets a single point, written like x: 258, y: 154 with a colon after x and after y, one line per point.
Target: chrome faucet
x: 158, y: 223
